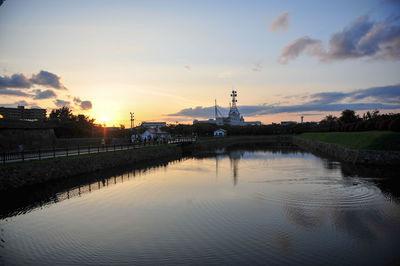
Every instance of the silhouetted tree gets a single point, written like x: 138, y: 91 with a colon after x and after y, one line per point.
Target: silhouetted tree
x: 348, y: 116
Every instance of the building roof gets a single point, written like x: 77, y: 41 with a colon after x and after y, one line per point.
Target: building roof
x: 156, y: 131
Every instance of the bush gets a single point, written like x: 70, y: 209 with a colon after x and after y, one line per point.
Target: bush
x: 395, y: 125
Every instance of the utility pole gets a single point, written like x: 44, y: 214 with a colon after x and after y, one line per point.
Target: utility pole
x: 132, y: 120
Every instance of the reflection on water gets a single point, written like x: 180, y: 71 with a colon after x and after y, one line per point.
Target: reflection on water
x: 253, y: 206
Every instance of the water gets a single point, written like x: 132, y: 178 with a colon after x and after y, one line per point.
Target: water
x: 236, y: 208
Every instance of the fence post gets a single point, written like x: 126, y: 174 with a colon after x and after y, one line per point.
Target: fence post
x: 54, y: 152
x: 114, y: 147
x: 88, y: 151
x: 67, y: 151
x: 23, y: 157
x: 39, y: 155
x: 78, y: 150
x: 98, y: 149
x: 4, y: 157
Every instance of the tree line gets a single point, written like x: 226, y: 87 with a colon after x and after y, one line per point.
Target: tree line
x: 66, y: 124
x: 348, y: 121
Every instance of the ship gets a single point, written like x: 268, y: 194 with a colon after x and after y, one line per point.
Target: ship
x: 234, y: 117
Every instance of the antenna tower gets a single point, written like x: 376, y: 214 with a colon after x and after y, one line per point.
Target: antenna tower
x: 234, y: 101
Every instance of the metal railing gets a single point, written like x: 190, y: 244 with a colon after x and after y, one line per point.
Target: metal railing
x: 40, y: 154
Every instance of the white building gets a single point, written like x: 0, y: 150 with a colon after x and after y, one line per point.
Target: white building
x: 153, y: 133
x: 220, y: 132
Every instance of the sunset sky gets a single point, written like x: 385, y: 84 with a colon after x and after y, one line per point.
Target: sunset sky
x: 169, y: 60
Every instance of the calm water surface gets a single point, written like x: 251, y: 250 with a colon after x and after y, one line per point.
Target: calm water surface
x: 237, y: 208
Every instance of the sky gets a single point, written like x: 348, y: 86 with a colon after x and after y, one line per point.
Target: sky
x: 170, y: 60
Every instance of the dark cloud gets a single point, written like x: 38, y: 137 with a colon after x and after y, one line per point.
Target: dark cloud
x: 385, y: 97
x: 14, y: 93
x: 46, y: 94
x: 280, y: 23
x: 84, y: 105
x: 361, y: 39
x: 62, y: 103
x: 388, y: 94
x: 18, y: 81
x: 47, y: 79
x: 250, y: 110
x: 77, y: 100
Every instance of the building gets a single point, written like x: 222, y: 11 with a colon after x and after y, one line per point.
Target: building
x: 234, y: 118
x: 220, y: 132
x: 154, y: 124
x: 21, y: 113
x: 155, y: 133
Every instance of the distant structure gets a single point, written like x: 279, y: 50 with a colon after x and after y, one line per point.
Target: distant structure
x: 234, y: 118
x: 302, y: 119
x: 154, y: 124
x: 20, y: 113
x: 285, y: 123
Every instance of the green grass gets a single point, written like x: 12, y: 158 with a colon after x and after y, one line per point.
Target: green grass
x: 366, y: 140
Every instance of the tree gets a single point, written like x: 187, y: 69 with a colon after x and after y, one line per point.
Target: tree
x: 70, y: 125
x: 371, y: 116
x: 61, y: 114
x: 349, y: 116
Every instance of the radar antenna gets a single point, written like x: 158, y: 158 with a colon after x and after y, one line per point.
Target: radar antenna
x: 217, y: 112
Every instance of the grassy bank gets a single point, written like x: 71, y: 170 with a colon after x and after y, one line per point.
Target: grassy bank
x: 366, y: 140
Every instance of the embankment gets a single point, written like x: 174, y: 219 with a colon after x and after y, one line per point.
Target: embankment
x: 35, y: 172
x: 372, y: 157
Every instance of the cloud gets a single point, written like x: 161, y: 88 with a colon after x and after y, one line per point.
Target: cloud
x: 257, y: 67
x: 62, y: 103
x: 47, y: 79
x: 46, y: 94
x: 298, y: 46
x: 14, y: 93
x: 84, y: 105
x: 361, y: 39
x: 188, y: 68
x: 389, y: 94
x: 384, y: 97
x: 20, y: 81
x: 20, y: 103
x: 280, y: 23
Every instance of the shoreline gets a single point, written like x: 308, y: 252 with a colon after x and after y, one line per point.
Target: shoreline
x: 17, y: 175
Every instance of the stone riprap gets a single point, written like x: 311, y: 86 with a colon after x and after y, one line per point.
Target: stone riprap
x: 35, y: 172
x: 372, y: 157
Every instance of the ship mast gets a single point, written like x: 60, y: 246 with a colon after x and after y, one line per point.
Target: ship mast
x: 234, y: 101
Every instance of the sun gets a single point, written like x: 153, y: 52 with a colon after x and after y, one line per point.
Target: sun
x: 104, y: 120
